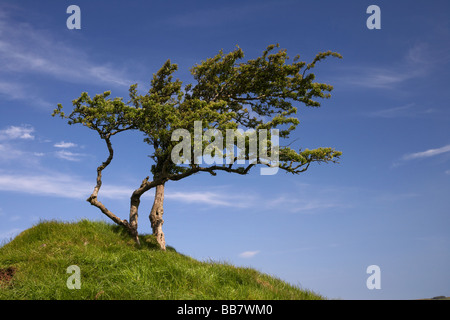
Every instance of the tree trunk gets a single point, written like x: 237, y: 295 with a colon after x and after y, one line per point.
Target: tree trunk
x: 134, y: 206
x: 156, y: 214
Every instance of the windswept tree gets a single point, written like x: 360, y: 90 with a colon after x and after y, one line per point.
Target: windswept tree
x: 181, y: 124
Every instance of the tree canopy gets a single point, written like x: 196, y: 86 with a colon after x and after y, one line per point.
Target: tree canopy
x: 228, y: 93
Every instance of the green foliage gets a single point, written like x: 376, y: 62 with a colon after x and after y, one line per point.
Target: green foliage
x: 228, y: 93
x: 102, y: 114
x: 113, y: 267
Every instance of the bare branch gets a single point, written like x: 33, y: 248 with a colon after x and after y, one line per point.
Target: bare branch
x: 93, y: 198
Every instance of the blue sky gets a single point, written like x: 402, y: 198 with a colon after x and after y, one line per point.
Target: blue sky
x: 386, y: 203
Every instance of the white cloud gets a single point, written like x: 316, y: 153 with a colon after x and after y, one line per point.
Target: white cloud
x: 63, y: 144
x: 392, y: 112
x: 427, y: 153
x: 422, y: 53
x: 70, y: 156
x: 375, y: 77
x: 313, y: 205
x: 417, y: 62
x: 308, y: 203
x: 379, y: 78
x: 447, y: 172
x: 67, y: 186
x: 248, y: 254
x: 24, y: 49
x: 9, y: 153
x: 421, y: 155
x: 17, y: 132
x: 55, y: 185
x: 211, y: 198
x: 409, y: 110
x: 14, y: 90
x: 392, y: 197
x: 58, y: 185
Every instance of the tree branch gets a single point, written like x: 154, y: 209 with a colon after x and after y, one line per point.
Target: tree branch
x: 179, y: 176
x: 93, y: 198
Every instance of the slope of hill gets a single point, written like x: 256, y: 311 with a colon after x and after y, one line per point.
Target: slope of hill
x: 35, y: 265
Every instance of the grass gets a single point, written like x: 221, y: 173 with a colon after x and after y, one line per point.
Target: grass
x: 113, y: 267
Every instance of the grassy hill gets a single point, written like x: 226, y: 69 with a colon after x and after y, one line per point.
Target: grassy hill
x: 34, y: 266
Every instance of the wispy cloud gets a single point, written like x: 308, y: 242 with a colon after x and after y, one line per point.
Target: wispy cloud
x: 423, y: 53
x: 210, y: 198
x: 314, y: 205
x: 304, y: 204
x: 13, y: 90
x: 54, y: 185
x: 426, y: 154
x: 73, y: 187
x: 409, y: 110
x: 11, y: 154
x: 421, y: 155
x: 24, y: 132
x: 68, y: 186
x: 10, y: 151
x: 373, y: 77
x: 25, y: 50
x: 248, y: 254
x: 418, y: 61
x: 393, y: 197
x: 64, y: 145
x: 58, y: 185
x: 69, y: 156
x: 7, y: 152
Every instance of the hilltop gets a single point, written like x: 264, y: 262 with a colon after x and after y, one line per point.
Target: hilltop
x: 34, y: 266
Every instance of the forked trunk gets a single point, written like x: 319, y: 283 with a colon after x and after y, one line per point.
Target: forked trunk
x: 156, y: 214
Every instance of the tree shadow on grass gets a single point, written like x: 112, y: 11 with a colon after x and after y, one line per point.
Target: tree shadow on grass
x: 148, y: 241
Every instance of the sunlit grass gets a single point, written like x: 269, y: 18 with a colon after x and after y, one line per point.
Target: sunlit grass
x: 113, y: 267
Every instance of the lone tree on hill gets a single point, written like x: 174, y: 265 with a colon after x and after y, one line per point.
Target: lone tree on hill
x: 228, y: 95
